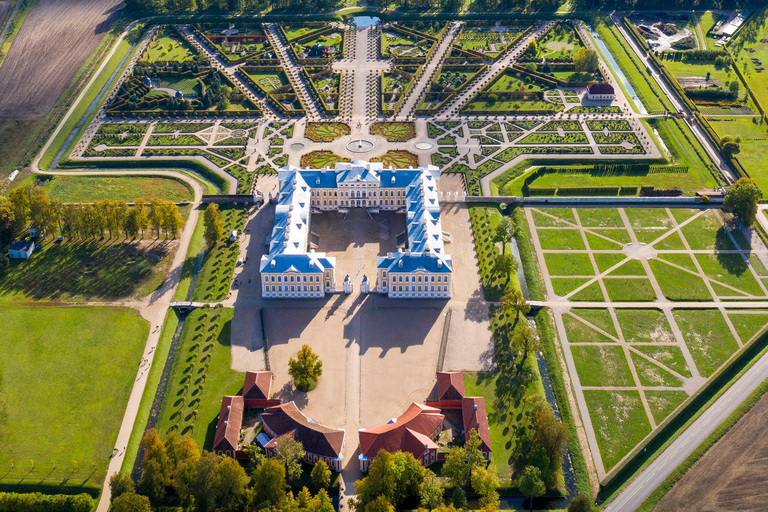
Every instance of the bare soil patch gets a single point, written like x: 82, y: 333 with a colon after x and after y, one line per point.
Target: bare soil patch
x: 731, y: 475
x: 52, y: 45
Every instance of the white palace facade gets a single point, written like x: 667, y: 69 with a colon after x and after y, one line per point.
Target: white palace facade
x: 422, y: 270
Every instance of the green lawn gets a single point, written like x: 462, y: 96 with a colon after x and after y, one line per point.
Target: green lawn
x: 681, y: 69
x: 561, y: 239
x: 748, y: 323
x: 706, y: 232
x: 707, y: 336
x: 213, y: 280
x: 707, y: 21
x: 602, y: 365
x: 754, y: 143
x: 509, y: 415
x: 73, y: 189
x: 484, y: 222
x: 730, y: 269
x: 686, y: 150
x: 644, y: 326
x: 77, y: 270
x: 648, y: 218
x: 619, y: 422
x: 662, y: 403
x: 200, y: 376
x: 621, y: 290
x: 65, y: 377
x: 600, y: 218
x: 652, y: 375
x: 167, y: 46
x: 579, y: 332
x: 564, y: 264
x: 195, y: 246
x: 670, y: 356
x: 600, y: 318
x: 677, y: 284
x: 757, y: 80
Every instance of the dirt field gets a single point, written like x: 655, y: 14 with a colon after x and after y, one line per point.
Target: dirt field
x: 53, y: 43
x: 731, y: 475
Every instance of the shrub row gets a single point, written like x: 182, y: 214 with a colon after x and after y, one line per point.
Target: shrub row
x: 37, y: 502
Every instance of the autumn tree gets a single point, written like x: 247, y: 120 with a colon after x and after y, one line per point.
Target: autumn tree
x: 214, y: 227
x: 130, y: 502
x: 321, y: 475
x: 431, y: 491
x: 485, y: 482
x: 120, y: 484
x: 305, y: 369
x: 462, y: 460
x: 172, y: 221
x: 585, y: 61
x: 741, y: 198
x: 219, y: 484
x: 269, y: 485
x: 289, y: 453
x: 184, y: 455
x: 156, y: 467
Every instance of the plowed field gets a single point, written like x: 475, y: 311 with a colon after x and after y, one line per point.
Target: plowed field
x: 731, y: 476
x: 53, y: 43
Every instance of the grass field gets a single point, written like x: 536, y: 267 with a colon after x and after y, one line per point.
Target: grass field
x: 65, y: 377
x: 83, y: 270
x: 707, y: 336
x: 73, y: 189
x: 754, y: 143
x: 167, y: 46
x: 758, y: 80
x: 213, y: 280
x: 200, y: 376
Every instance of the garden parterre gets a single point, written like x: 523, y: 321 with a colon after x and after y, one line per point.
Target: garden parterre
x: 621, y: 283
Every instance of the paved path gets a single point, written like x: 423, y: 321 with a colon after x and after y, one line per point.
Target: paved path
x: 484, y: 78
x: 429, y: 69
x: 646, y: 482
x: 292, y: 71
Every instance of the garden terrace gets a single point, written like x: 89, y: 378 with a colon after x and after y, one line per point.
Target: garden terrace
x: 402, y: 45
x: 168, y: 47
x: 490, y: 40
x: 320, y: 159
x: 394, y: 86
x: 190, y: 91
x: 274, y: 84
x: 398, y: 159
x: 559, y: 44
x: 326, y: 132
x: 317, y: 46
x: 450, y: 80
x: 240, y: 43
x: 395, y: 131
x: 326, y: 84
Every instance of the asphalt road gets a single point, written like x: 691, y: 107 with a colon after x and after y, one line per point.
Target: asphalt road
x: 644, y: 484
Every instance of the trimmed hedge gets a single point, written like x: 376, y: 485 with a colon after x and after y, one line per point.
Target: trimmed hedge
x: 38, y: 502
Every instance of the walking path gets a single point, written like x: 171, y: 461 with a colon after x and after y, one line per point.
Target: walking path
x: 483, y: 79
x: 419, y: 89
x: 292, y: 71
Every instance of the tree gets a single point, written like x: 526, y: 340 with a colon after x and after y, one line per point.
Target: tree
x: 581, y: 503
x: 289, y: 453
x: 741, y: 198
x: 530, y: 483
x: 585, y: 61
x: 172, y: 221
x: 155, y: 216
x: 431, y: 491
x: 380, y: 504
x: 409, y: 473
x: 7, y: 224
x: 120, y: 484
x: 538, y: 457
x: 214, y: 227
x: 379, y: 482
x: 321, y: 475
x: 231, y: 482
x: 485, y: 483
x: 461, y: 460
x: 504, y: 233
x: 459, y: 499
x: 530, y: 67
x: 515, y: 301
x: 156, y: 467
x: 504, y: 264
x: 305, y: 369
x: 269, y: 485
x: 130, y: 502
x: 550, y: 434
x: 526, y: 341
x: 729, y: 146
x: 184, y: 455
x: 255, y: 457
x: 734, y: 87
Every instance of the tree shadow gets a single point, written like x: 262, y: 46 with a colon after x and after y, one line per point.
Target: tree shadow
x: 732, y: 263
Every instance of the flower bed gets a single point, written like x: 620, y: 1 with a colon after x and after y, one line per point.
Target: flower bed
x: 326, y: 132
x: 395, y: 131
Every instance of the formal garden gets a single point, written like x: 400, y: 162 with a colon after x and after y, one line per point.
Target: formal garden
x: 638, y: 364
x: 326, y: 132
